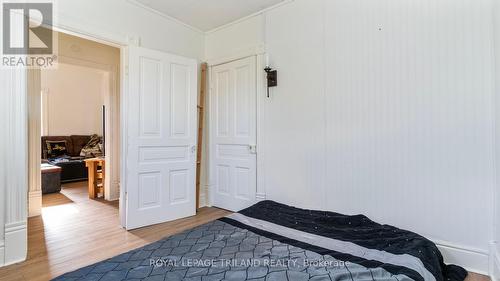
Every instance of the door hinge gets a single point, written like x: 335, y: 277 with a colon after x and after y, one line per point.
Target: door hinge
x: 126, y: 70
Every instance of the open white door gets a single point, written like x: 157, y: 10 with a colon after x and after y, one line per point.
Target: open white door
x: 161, y: 137
x: 233, y: 133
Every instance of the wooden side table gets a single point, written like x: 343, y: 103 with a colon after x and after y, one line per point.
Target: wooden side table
x: 97, y: 175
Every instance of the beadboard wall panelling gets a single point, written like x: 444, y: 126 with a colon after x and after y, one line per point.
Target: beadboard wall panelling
x: 409, y: 115
x: 294, y: 130
x: 382, y: 108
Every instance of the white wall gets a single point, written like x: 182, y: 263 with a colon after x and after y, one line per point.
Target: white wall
x: 411, y: 130
x: 74, y: 98
x: 235, y: 39
x: 382, y: 108
x: 496, y: 32
x: 117, y: 19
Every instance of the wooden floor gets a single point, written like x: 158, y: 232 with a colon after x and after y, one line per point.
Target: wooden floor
x: 75, y: 231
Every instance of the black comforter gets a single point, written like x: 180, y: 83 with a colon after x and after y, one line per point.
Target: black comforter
x: 404, y: 247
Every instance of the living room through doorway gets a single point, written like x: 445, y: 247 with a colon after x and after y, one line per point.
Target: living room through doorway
x: 78, y: 130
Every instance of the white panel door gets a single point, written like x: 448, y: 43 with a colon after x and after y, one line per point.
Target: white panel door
x: 233, y: 134
x: 161, y: 137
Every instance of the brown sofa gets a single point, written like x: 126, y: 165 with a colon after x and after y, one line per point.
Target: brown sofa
x: 73, y: 166
x: 74, y: 144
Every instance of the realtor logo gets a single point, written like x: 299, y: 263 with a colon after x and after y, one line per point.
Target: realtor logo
x: 27, y: 28
x: 28, y: 39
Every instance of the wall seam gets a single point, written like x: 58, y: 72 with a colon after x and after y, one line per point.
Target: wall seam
x: 325, y: 109
x: 494, y: 70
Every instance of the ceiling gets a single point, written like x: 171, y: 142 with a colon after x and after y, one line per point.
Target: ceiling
x: 206, y: 15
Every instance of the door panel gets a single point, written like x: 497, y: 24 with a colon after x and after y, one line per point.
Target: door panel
x: 180, y: 101
x: 222, y: 103
x: 149, y: 190
x: 179, y: 181
x: 161, y: 137
x: 149, y: 97
x: 233, y: 134
x: 242, y: 95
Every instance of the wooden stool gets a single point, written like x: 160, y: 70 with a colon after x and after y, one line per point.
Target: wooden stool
x: 97, y: 176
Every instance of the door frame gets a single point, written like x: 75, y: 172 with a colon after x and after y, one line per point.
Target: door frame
x: 113, y: 95
x: 262, y: 101
x: 35, y: 198
x: 122, y: 44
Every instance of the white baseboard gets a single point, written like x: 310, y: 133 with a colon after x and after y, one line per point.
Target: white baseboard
x: 204, y: 189
x: 260, y: 196
x: 114, y: 191
x: 2, y: 253
x: 16, y: 242
x: 495, y: 271
x: 35, y: 203
x: 203, y: 199
x: 473, y: 260
x: 208, y: 190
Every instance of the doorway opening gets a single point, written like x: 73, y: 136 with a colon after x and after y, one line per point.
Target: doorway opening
x: 74, y: 137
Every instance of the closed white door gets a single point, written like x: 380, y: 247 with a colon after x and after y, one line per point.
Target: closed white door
x: 233, y: 134
x: 161, y: 137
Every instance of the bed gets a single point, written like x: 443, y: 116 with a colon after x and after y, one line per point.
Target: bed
x: 272, y: 241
